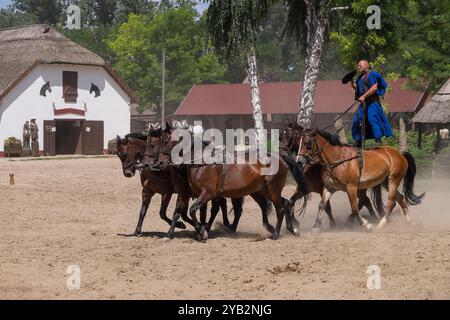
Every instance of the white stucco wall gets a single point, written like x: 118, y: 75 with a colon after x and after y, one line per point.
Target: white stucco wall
x: 25, y: 103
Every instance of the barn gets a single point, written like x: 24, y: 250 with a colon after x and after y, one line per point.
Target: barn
x: 76, y: 99
x: 227, y: 106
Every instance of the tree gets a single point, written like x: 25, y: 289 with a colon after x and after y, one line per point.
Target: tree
x: 307, y: 22
x: 138, y: 45
x: 356, y: 41
x: 233, y: 27
x: 425, y: 46
x: 10, y: 18
x: 45, y: 11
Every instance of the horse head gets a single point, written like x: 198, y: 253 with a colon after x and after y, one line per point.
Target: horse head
x: 152, y: 146
x: 129, y: 151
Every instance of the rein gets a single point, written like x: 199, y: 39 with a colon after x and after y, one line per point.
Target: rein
x: 330, y: 166
x: 340, y: 116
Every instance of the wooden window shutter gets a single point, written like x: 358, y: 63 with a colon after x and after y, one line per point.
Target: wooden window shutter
x: 70, y: 86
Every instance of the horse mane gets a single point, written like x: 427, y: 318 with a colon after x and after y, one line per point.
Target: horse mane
x: 136, y: 135
x: 332, y: 138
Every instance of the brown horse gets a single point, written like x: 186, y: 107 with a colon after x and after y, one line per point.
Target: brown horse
x: 290, y: 141
x: 237, y: 181
x: 341, y: 172
x: 130, y: 151
x: 179, y: 184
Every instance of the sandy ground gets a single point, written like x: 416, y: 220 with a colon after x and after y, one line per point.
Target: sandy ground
x: 73, y: 212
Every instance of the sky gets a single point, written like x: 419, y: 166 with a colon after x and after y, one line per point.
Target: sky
x: 3, y: 3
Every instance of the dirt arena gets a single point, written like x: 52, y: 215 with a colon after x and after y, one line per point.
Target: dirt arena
x: 75, y: 212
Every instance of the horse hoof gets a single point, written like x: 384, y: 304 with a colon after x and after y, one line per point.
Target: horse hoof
x: 411, y: 222
x: 382, y: 223
x: 201, y: 238
x: 137, y: 234
x: 369, y: 227
x: 180, y: 225
x: 167, y: 238
x: 274, y: 237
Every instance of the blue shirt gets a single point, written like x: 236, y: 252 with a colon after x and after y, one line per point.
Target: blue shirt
x: 373, y: 78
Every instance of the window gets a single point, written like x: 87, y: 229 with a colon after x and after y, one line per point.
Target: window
x: 70, y: 86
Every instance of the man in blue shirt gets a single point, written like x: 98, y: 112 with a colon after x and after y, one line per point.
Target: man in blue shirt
x: 369, y: 87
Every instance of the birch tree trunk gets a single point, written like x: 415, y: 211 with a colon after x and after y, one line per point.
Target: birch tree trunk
x: 316, y: 23
x: 256, y: 102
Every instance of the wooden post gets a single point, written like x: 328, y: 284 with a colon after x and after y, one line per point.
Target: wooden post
x: 402, y: 145
x: 419, y: 137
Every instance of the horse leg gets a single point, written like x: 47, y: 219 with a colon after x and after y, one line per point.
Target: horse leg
x: 330, y: 215
x: 295, y: 197
x: 263, y: 203
x: 326, y: 196
x: 199, y: 203
x: 181, y: 204
x: 288, y: 209
x: 214, y: 211
x: 237, y: 208
x: 165, y: 200
x: 393, y: 184
x: 281, y: 208
x: 223, y: 206
x: 146, y: 198
x: 203, y: 235
x: 352, y: 193
x: 364, y: 201
x: 404, y: 205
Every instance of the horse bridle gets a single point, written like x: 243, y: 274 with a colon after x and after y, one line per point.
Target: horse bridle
x: 291, y: 142
x: 135, y: 161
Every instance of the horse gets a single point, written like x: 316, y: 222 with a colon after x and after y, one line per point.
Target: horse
x: 290, y: 141
x: 130, y: 151
x: 341, y: 172
x: 237, y: 181
x: 181, y: 186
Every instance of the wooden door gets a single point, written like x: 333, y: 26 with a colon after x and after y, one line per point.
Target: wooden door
x: 50, y: 137
x: 93, y: 137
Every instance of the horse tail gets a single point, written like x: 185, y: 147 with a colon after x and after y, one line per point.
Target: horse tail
x: 408, y: 181
x: 297, y: 171
x: 377, y: 200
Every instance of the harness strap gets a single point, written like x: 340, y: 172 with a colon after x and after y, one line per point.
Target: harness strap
x: 361, y: 164
x: 222, y: 178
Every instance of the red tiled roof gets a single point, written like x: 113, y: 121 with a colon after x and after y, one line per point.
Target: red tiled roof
x: 283, y: 98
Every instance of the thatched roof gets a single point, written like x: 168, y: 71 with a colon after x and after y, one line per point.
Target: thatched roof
x: 437, y: 110
x: 22, y: 48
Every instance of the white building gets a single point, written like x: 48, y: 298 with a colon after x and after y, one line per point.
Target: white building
x: 70, y: 119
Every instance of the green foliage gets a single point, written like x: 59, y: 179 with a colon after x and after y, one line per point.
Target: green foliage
x: 10, y: 18
x: 94, y: 39
x: 233, y: 25
x: 44, y: 11
x: 426, y: 46
x: 138, y: 46
x: 355, y: 41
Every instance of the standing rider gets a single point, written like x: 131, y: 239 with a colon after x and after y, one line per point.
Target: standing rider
x: 369, y: 87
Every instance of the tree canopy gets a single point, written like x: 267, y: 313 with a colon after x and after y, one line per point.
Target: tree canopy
x: 138, y: 46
